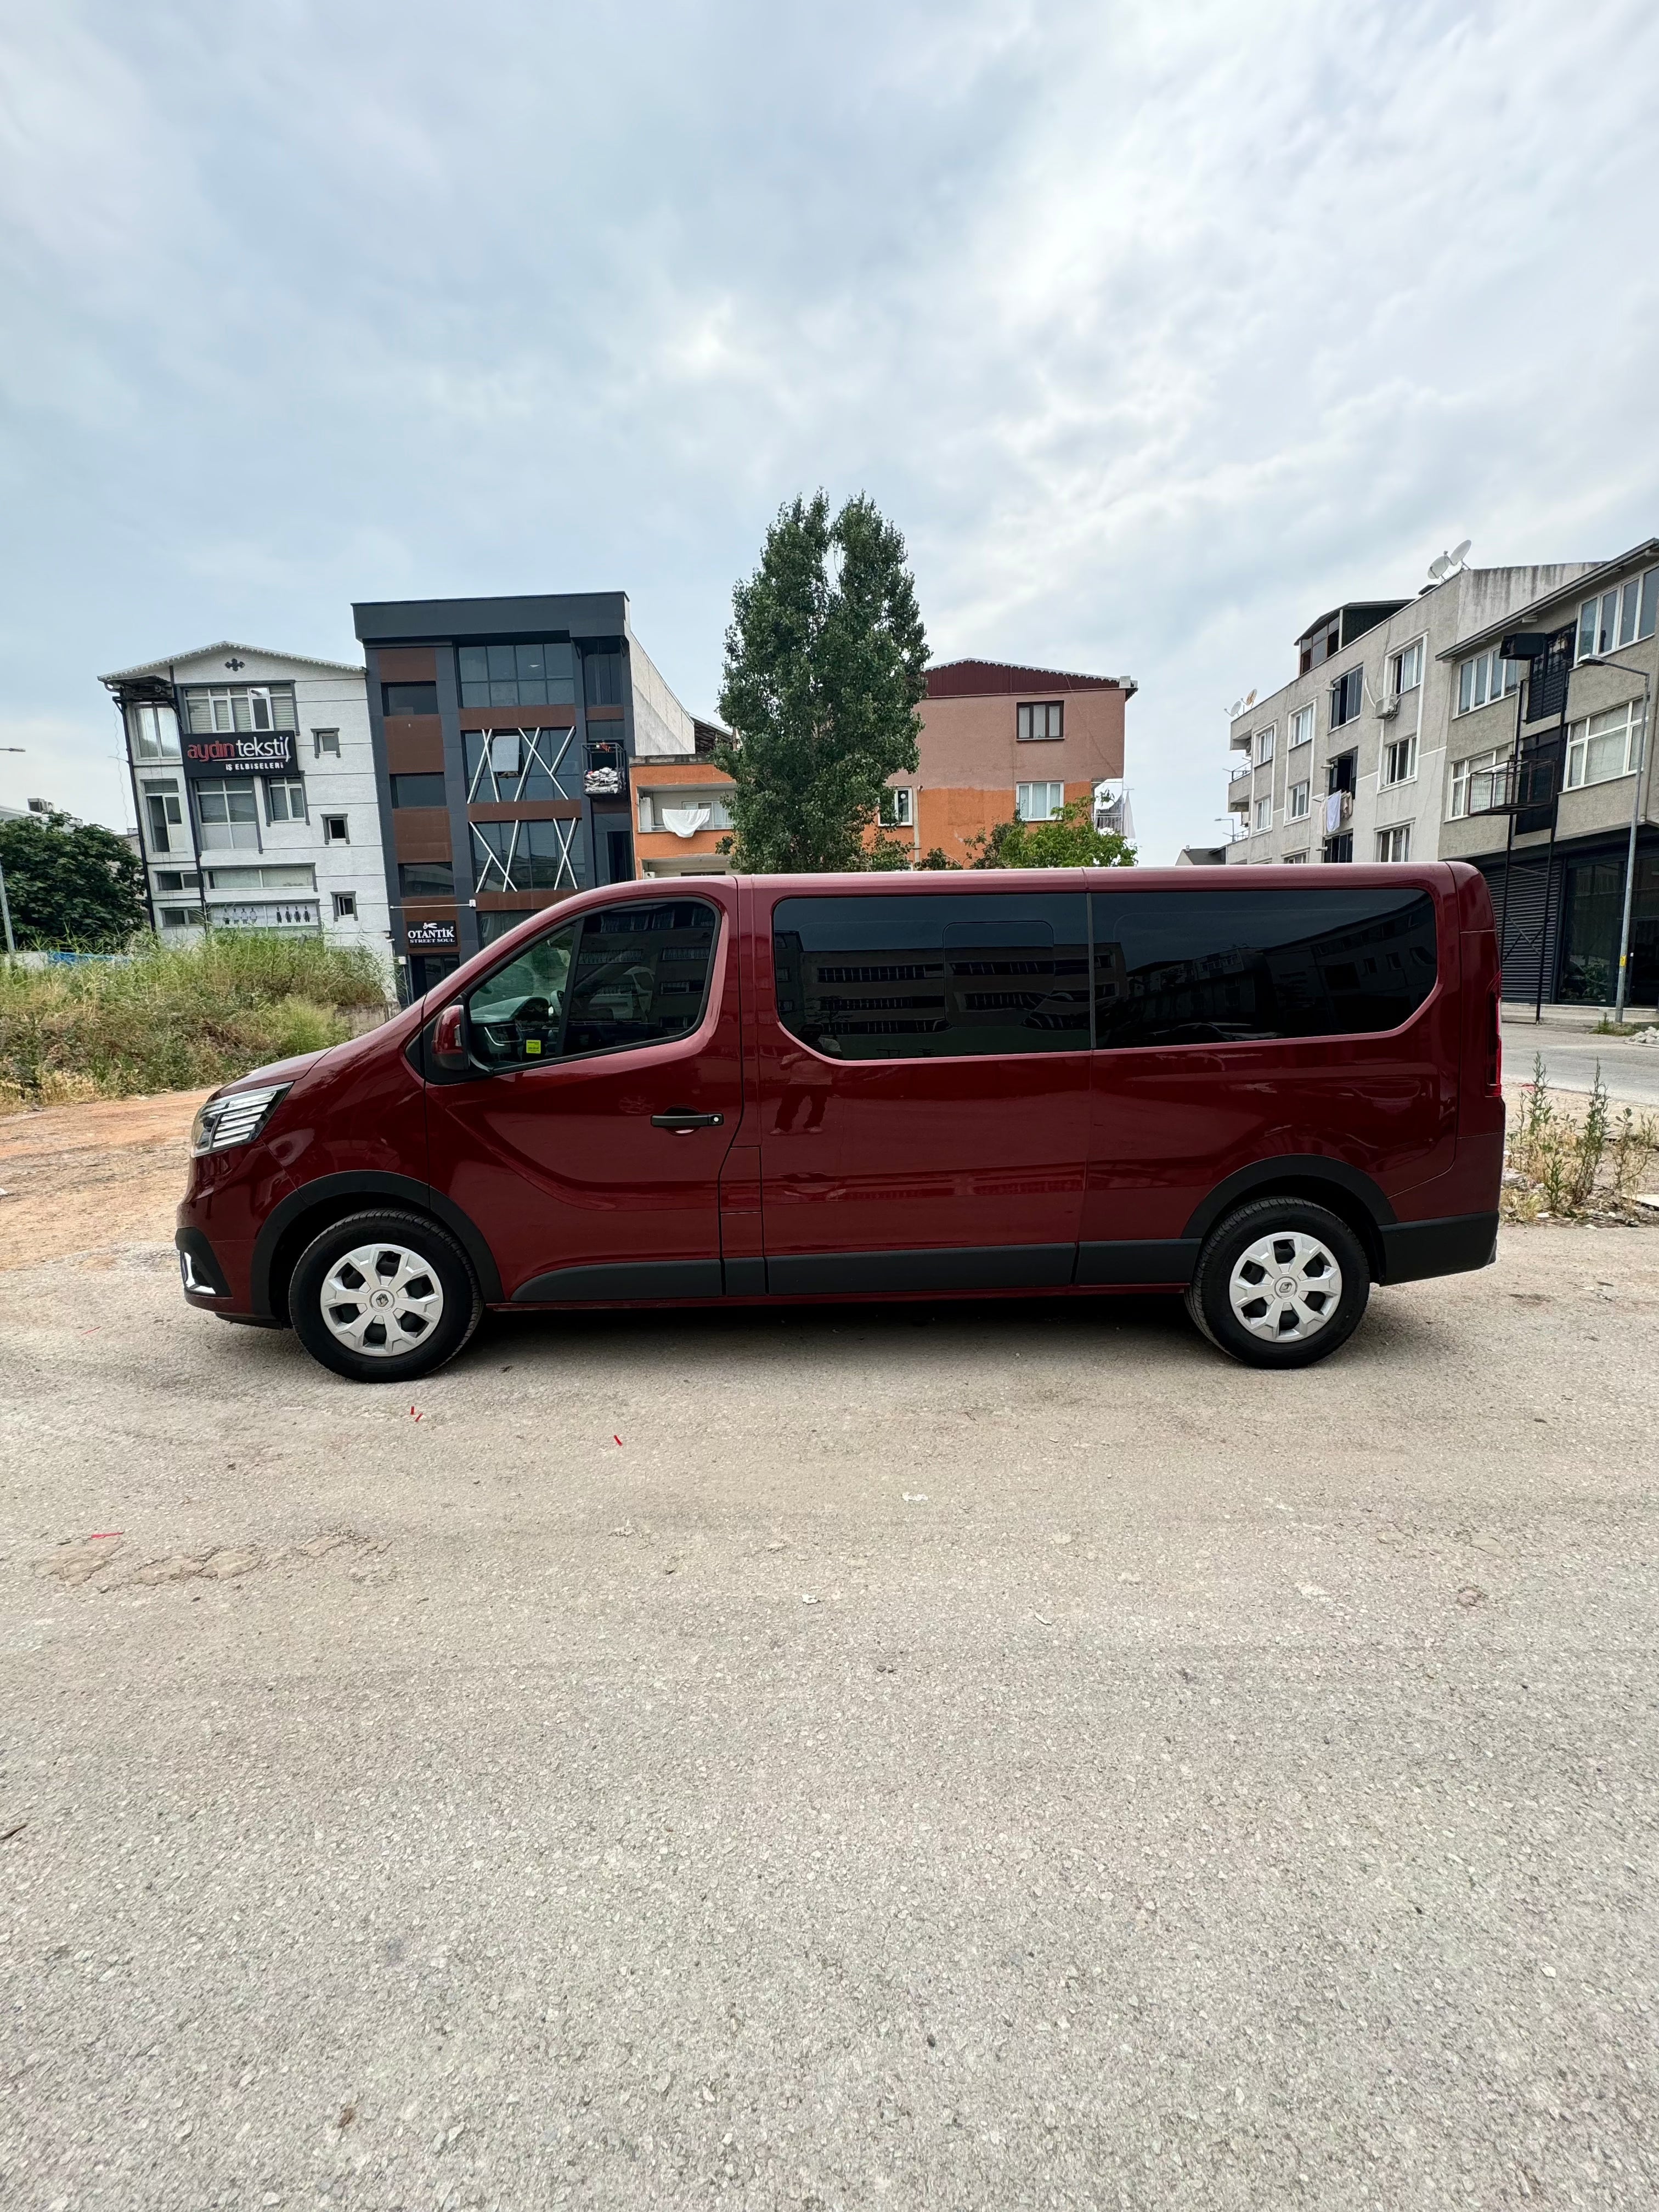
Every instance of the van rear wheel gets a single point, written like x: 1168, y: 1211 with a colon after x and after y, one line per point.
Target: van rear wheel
x: 384, y: 1298
x: 1279, y: 1283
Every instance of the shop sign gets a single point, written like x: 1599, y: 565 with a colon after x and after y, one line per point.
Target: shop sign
x: 239, y: 752
x: 430, y: 936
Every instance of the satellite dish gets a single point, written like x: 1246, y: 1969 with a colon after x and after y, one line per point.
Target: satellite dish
x: 1460, y: 551
x: 1235, y: 710
x: 1438, y: 567
x: 1251, y: 701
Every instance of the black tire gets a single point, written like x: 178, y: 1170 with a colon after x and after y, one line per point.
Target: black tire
x: 445, y: 1321
x: 1314, y: 1330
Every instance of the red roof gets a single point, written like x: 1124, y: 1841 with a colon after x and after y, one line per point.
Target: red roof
x: 966, y: 679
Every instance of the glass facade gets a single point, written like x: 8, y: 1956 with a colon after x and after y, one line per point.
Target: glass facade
x: 539, y: 675
x: 1592, y: 908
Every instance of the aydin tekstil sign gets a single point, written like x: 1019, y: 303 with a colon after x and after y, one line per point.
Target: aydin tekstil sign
x: 239, y: 752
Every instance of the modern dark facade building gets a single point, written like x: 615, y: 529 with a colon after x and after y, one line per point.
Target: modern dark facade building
x: 503, y: 732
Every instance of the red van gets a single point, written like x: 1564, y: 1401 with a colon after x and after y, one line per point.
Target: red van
x: 1265, y: 1088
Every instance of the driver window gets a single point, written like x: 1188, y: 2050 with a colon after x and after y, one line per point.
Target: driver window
x: 516, y: 1016
x: 622, y: 976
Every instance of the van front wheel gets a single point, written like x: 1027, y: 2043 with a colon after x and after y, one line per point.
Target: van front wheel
x: 1279, y: 1283
x: 384, y: 1298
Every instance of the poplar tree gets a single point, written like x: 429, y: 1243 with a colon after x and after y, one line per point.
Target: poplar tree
x: 825, y: 662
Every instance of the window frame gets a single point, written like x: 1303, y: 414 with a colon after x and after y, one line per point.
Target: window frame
x: 1264, y: 806
x: 1580, y: 738
x: 1634, y: 601
x: 1351, y: 680
x: 289, y: 785
x: 1394, y: 830
x: 1488, y: 661
x: 336, y: 829
x: 1055, y: 811
x: 1265, y: 741
x: 476, y: 1071
x: 1417, y: 649
x: 1304, y: 718
x: 901, y: 798
x: 1394, y: 747
x: 1462, y: 774
x: 320, y: 750
x: 1053, y: 711
x: 1304, y: 791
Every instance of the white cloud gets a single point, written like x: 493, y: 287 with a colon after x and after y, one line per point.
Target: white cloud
x: 1157, y: 329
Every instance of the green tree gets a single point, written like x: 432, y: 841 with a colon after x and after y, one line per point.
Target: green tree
x: 825, y: 662
x: 70, y: 885
x: 1070, y: 840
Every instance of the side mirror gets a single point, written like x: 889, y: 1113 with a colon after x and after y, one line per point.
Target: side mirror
x: 448, y: 1048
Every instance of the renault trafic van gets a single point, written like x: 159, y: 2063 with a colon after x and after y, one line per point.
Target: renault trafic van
x: 1263, y: 1089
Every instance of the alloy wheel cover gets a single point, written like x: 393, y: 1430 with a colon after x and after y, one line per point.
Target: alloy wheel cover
x: 381, y: 1300
x: 1286, y: 1287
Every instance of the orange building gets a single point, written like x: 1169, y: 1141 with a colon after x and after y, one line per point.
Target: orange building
x: 996, y: 741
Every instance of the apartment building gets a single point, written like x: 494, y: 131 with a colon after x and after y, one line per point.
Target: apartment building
x: 253, y: 787
x: 996, y: 741
x: 1548, y: 762
x: 504, y: 733
x: 1347, y: 761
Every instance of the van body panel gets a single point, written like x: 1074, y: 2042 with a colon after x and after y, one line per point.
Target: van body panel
x: 582, y: 1196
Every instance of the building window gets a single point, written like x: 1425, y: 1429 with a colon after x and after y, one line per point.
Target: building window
x: 539, y: 675
x: 285, y: 799
x: 1340, y: 774
x: 898, y: 807
x: 602, y: 679
x: 1400, y: 760
x: 408, y: 698
x: 1294, y: 860
x: 1605, y: 746
x: 1475, y: 782
x: 177, y: 879
x: 1339, y: 848
x: 290, y: 879
x: 1347, y: 696
x: 1302, y: 727
x: 530, y: 856
x: 503, y: 765
x: 325, y: 745
x: 335, y: 830
x: 1487, y: 677
x: 1038, y: 802
x: 1299, y: 798
x: 1044, y: 720
x: 1264, y: 812
x: 1619, y: 616
x: 153, y: 731
x: 240, y: 707
x: 345, y: 906
x: 1394, y: 844
x: 1406, y: 669
x: 228, y: 816
x: 416, y: 790
x: 180, y: 917
x: 161, y: 804
x: 685, y: 813
x: 426, y: 880
x: 1264, y: 744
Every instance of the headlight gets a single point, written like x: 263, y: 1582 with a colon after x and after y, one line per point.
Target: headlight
x: 235, y: 1119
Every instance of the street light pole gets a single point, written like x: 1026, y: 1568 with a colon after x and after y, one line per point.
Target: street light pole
x: 1599, y: 660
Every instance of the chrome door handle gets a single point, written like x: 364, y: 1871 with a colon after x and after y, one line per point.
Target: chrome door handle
x: 682, y: 1121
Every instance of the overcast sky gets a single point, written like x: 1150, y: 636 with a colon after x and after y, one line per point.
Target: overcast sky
x: 1156, y: 326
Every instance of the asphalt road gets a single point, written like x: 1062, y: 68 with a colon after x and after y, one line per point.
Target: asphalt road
x: 1630, y: 1072
x: 986, y: 1757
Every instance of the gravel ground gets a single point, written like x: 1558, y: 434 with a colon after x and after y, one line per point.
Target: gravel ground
x: 983, y: 1756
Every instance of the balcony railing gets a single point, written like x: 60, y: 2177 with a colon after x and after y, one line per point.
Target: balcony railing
x: 1529, y: 777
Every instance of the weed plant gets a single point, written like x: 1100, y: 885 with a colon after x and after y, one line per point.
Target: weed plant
x: 1566, y: 1169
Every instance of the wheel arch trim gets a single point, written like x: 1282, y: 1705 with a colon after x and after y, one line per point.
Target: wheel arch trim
x: 1351, y: 1195
x: 325, y: 1197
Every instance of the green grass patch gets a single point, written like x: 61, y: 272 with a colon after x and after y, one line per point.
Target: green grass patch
x: 175, y: 1018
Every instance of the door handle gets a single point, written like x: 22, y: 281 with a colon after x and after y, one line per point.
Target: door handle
x: 681, y: 1120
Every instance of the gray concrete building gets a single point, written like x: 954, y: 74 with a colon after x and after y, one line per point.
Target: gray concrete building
x: 1348, y: 760
x: 1545, y: 773
x: 253, y: 786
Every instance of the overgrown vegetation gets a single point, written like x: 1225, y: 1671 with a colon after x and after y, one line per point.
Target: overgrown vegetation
x: 1560, y: 1167
x: 70, y: 884
x: 174, y: 1018
x: 1070, y: 840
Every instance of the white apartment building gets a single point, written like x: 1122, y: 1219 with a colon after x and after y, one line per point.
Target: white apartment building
x: 1347, y: 761
x: 254, y: 786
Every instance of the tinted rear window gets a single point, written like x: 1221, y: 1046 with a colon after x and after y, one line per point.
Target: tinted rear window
x: 938, y: 973
x: 1217, y: 967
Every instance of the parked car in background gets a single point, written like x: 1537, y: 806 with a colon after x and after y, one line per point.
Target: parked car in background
x: 1265, y: 1092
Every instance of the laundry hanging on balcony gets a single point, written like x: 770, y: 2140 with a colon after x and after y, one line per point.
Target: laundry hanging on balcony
x: 1333, y: 814
x: 685, y: 820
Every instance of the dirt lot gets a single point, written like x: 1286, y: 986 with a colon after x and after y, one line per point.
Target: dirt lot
x: 967, y: 1756
x: 89, y: 1178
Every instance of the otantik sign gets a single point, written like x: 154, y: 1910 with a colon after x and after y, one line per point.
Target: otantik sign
x: 239, y: 752
x: 430, y: 936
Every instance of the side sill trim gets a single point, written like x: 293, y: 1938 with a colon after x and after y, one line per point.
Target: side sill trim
x: 1132, y: 1260
x: 972, y: 1268
x: 628, y: 1279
